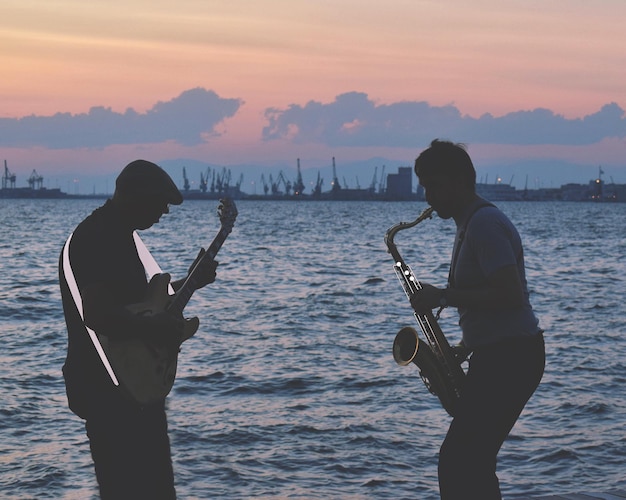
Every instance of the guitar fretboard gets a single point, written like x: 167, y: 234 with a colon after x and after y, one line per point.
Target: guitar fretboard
x: 184, y: 293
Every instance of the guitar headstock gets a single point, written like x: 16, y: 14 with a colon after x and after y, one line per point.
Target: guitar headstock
x: 227, y: 212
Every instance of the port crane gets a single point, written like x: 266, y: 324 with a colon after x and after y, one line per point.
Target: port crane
x: 204, y: 180
x: 298, y: 187
x: 185, y: 180
x: 335, y: 184
x: 266, y: 187
x: 287, y: 184
x: 35, y: 181
x: 317, y: 190
x: 8, y: 179
x: 382, y: 186
x: 222, y: 182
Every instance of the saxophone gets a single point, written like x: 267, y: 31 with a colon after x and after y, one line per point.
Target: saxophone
x: 440, y: 367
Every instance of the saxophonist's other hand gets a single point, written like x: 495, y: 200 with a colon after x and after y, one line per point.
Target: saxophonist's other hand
x: 426, y: 299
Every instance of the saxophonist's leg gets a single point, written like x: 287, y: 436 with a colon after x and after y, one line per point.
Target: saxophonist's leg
x: 500, y: 380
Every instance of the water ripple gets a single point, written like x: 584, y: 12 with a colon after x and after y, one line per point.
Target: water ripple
x: 289, y: 389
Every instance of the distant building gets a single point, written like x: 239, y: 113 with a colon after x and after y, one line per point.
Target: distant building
x: 400, y: 185
x: 497, y: 192
x: 542, y: 194
x: 619, y: 192
x: 575, y: 192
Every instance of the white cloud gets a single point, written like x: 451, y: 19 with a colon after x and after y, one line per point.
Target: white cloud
x: 189, y: 119
x: 413, y: 123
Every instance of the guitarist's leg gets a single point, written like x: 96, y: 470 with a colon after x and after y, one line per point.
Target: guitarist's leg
x: 131, y: 453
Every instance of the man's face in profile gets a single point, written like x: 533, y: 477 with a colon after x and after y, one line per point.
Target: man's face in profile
x: 148, y: 210
x: 443, y: 193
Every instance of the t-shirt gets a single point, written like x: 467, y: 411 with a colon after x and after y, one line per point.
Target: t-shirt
x: 489, y: 241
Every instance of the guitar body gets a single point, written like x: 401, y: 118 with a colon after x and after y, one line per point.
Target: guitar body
x: 147, y: 369
x: 158, y: 299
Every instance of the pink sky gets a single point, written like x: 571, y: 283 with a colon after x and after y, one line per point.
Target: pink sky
x: 484, y: 56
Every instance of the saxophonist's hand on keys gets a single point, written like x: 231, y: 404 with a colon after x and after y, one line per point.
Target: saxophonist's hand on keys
x: 427, y: 299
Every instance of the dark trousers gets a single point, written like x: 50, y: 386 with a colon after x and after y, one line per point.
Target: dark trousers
x: 131, y: 452
x: 500, y: 380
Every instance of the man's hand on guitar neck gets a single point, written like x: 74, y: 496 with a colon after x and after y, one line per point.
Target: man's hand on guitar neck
x: 204, y: 274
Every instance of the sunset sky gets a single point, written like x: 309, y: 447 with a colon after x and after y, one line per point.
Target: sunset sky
x: 87, y: 87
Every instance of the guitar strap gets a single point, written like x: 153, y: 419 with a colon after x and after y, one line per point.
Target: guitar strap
x: 149, y: 264
x: 71, y: 283
x: 151, y: 267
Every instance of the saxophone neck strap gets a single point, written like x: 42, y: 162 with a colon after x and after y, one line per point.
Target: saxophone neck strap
x: 459, y: 241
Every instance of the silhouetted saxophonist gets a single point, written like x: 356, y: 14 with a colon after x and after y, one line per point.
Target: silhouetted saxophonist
x: 439, y: 365
x: 487, y: 284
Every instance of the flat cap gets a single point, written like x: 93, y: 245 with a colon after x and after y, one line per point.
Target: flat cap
x: 143, y: 178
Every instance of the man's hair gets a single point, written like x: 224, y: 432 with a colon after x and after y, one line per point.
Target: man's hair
x: 446, y: 159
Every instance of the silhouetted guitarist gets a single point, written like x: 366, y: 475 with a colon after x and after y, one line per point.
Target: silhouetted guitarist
x: 101, y: 274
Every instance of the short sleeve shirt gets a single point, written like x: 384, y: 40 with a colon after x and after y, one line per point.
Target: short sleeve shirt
x: 488, y: 242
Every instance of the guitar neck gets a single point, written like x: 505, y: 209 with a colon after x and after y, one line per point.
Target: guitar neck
x: 190, y: 285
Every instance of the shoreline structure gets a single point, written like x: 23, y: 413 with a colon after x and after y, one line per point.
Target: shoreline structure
x: 392, y: 187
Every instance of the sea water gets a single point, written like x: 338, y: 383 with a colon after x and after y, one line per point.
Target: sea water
x: 289, y: 389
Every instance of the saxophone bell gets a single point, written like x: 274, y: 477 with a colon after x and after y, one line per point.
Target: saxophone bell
x: 408, y: 348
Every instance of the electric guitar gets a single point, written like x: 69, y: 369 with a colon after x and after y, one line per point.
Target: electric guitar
x: 146, y: 369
